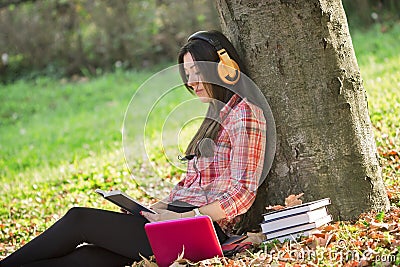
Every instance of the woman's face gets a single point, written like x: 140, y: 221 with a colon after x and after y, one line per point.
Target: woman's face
x: 194, y: 78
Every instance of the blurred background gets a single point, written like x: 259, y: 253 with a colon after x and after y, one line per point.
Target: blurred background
x: 90, y: 37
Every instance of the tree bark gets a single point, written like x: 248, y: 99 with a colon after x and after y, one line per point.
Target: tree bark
x: 300, y: 54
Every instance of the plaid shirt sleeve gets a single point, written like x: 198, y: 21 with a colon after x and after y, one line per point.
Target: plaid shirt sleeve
x: 247, y: 135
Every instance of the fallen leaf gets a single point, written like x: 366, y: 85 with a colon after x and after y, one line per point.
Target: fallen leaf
x: 375, y: 226
x: 276, y: 207
x: 318, y: 234
x: 395, y: 243
x: 293, y: 200
x: 255, y: 238
x: 328, y: 228
x: 322, y: 239
x: 179, y: 264
x: 364, y: 263
x: 148, y: 263
x: 181, y: 255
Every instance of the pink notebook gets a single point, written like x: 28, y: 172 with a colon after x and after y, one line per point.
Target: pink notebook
x: 197, y: 235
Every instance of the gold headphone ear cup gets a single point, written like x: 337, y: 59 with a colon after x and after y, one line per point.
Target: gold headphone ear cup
x: 229, y: 75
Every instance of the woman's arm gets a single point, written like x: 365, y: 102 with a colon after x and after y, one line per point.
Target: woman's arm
x: 213, y: 210
x: 161, y: 205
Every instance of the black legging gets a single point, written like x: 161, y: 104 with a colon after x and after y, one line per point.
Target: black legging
x: 117, y: 240
x: 88, y: 237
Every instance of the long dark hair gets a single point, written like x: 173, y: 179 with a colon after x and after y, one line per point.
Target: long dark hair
x: 203, y: 51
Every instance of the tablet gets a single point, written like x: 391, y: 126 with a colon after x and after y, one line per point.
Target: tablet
x: 124, y: 201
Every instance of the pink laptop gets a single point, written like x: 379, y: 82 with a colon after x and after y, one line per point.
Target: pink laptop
x: 197, y: 235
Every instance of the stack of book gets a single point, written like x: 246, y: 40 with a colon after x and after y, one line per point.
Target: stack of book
x: 293, y: 222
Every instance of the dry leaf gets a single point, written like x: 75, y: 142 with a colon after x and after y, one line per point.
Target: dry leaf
x: 180, y: 256
x: 318, y: 234
x: 276, y: 207
x: 147, y: 263
x: 179, y: 264
x: 375, y: 226
x: 395, y: 243
x: 364, y: 263
x: 328, y: 228
x: 293, y: 200
x: 326, y: 240
x: 181, y: 261
x: 255, y: 238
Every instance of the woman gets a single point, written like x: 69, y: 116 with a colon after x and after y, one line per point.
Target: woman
x: 225, y: 160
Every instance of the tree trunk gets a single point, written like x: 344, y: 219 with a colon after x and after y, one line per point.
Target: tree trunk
x: 300, y: 54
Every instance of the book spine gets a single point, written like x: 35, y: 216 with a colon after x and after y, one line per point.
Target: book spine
x: 296, y: 219
x: 298, y: 228
x: 297, y: 210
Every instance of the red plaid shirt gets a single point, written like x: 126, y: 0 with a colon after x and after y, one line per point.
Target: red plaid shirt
x: 231, y: 176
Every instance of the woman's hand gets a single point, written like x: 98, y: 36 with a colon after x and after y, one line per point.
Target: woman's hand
x: 162, y: 215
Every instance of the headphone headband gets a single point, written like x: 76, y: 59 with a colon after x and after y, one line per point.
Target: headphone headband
x: 228, y: 69
x: 206, y: 36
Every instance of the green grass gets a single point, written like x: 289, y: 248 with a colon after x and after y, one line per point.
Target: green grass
x: 59, y: 139
x: 45, y: 122
x: 378, y: 55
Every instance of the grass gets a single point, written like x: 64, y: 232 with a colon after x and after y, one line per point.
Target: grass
x: 49, y: 121
x: 378, y: 56
x: 61, y: 139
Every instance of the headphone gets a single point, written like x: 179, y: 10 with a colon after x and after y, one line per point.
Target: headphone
x: 228, y: 69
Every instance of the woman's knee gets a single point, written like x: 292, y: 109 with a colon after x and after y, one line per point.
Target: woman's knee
x: 77, y: 214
